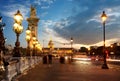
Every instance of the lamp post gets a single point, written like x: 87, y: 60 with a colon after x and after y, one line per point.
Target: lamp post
x: 71, y: 41
x: 34, y: 42
x: 104, y: 18
x: 43, y: 47
x: 28, y: 38
x: 18, y: 29
x: 36, y: 45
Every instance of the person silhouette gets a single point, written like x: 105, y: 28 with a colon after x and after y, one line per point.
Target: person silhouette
x: 49, y: 58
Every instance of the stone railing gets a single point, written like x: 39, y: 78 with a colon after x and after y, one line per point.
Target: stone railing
x: 19, y: 65
x: 11, y: 70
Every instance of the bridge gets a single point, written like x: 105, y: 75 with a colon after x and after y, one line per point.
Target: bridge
x: 75, y: 71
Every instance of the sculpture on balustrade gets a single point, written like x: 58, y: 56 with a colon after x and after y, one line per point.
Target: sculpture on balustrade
x: 2, y: 48
x: 33, y: 11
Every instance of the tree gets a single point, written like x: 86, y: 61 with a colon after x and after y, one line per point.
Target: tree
x: 83, y: 49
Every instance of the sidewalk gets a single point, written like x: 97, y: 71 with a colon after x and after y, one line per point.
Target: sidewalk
x: 77, y: 71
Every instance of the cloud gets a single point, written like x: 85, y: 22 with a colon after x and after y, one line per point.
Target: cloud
x: 48, y: 33
x: 12, y: 9
x: 44, y: 4
x: 45, y: 7
x: 61, y: 24
x: 38, y: 2
x: 70, y: 0
x: 48, y: 1
x: 79, y: 19
x: 86, y: 26
x: 43, y: 14
x: 107, y: 42
x: 46, y: 25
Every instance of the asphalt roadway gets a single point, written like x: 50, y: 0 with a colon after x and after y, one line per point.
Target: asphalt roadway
x: 75, y: 71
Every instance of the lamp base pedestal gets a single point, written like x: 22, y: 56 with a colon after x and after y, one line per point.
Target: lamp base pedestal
x: 104, y: 66
x: 16, y: 52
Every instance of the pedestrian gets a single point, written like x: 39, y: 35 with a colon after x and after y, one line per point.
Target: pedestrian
x: 62, y: 59
x: 49, y: 60
x: 69, y: 60
x: 45, y: 59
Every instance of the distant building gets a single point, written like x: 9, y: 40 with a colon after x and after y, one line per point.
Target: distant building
x: 51, y: 46
x: 59, y: 51
x: 93, y: 47
x: 56, y: 51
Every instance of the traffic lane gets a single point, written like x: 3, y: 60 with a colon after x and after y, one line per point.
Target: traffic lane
x: 99, y: 60
x: 113, y: 65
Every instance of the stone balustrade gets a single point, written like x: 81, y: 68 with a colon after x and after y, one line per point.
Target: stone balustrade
x: 11, y: 70
x: 19, y: 65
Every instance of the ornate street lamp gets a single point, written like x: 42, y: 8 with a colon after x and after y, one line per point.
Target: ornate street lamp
x: 104, y: 18
x: 18, y: 29
x: 38, y: 48
x: 28, y: 38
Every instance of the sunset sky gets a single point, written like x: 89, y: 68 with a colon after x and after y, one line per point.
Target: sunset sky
x: 63, y: 19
